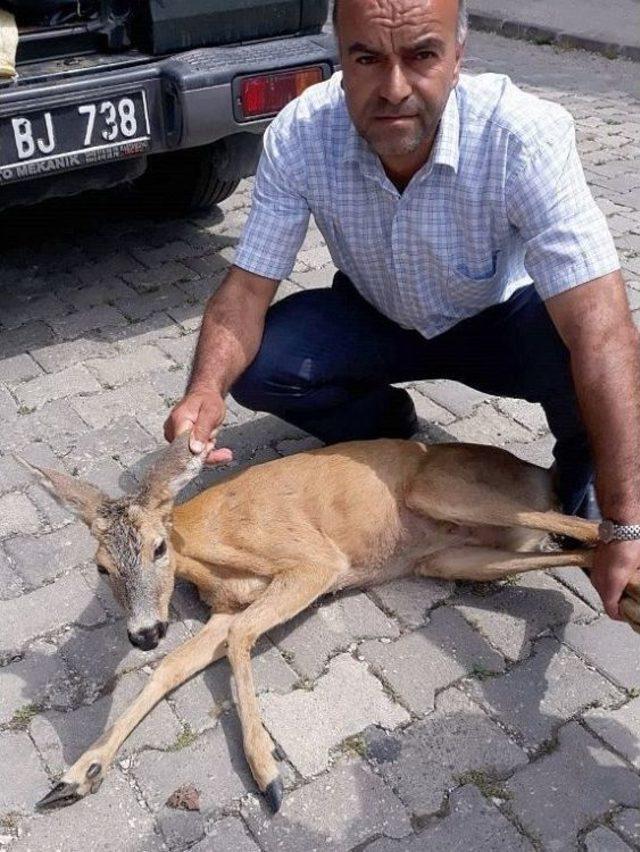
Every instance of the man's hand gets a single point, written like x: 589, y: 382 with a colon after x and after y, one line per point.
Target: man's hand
x: 614, y: 566
x: 201, y: 412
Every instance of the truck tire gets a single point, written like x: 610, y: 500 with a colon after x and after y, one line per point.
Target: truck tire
x: 182, y: 182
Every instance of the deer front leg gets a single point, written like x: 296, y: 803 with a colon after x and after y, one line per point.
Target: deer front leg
x: 288, y: 594
x: 88, y: 772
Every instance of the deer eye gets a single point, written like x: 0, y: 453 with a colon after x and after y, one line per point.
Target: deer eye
x: 160, y: 550
x: 101, y: 569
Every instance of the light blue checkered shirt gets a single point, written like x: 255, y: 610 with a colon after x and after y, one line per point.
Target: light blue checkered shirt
x: 501, y: 202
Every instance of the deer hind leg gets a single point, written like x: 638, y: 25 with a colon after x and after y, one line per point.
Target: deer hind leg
x: 88, y: 772
x: 288, y: 594
x: 464, y: 489
x: 486, y: 563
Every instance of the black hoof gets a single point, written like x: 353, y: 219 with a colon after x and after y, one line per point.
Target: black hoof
x: 274, y: 795
x: 63, y: 794
x: 278, y: 753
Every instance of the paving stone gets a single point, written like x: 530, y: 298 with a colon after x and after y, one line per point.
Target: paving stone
x: 18, y: 368
x: 619, y: 728
x: 14, y: 475
x: 611, y: 646
x: 229, y: 833
x: 10, y: 583
x: 164, y: 273
x: 56, y: 421
x: 527, y: 414
x: 56, y: 356
x: 411, y: 598
x: 421, y: 663
x: 170, y: 383
x: 39, y: 559
x: 426, y: 759
x: 181, y: 829
x: 140, y: 306
x: 471, y: 824
x: 107, y: 474
x: 453, y: 396
x: 580, y: 585
x: 109, y: 289
x: 303, y: 445
x: 604, y: 782
x: 359, y: 803
x: 17, y: 515
x: 487, y: 426
x: 30, y: 782
x: 147, y: 332
x: 112, y: 819
x: 122, y: 438
x: 122, y: 369
x: 68, y: 600
x: 8, y: 406
x: 309, y: 723
x: 514, y: 616
x: 627, y: 822
x: 214, y: 764
x: 429, y: 410
x: 93, y: 319
x: 200, y: 701
x: 313, y: 636
x: 70, y: 382
x: 602, y: 839
x: 133, y: 398
x: 23, y: 339
x: 43, y: 308
x: 38, y: 680
x: 180, y: 349
x: 262, y: 431
x: 100, y: 655
x: 63, y: 737
x: 540, y: 694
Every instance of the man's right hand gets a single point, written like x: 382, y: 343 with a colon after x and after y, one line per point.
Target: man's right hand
x: 200, y: 412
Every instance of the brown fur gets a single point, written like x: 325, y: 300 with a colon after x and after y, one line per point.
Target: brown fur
x: 263, y: 544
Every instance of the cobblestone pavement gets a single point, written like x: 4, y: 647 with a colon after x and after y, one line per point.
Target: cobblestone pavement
x: 420, y: 715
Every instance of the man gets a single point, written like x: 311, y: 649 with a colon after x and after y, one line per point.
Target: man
x: 469, y: 248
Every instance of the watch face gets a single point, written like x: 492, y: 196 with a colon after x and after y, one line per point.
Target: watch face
x: 606, y: 531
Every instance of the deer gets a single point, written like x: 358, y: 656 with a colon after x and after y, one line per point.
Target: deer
x: 264, y: 543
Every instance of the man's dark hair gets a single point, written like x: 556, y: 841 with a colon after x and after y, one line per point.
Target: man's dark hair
x: 463, y: 19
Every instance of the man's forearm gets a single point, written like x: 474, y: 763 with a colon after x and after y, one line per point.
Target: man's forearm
x: 607, y: 378
x: 231, y: 331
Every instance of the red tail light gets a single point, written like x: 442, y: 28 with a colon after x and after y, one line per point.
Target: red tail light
x: 267, y: 94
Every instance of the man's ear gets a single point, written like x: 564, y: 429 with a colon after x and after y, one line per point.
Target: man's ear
x: 83, y: 498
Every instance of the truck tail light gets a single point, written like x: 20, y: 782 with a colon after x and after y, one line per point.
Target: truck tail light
x: 266, y: 94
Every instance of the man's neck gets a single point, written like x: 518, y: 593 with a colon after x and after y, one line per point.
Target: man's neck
x: 400, y: 170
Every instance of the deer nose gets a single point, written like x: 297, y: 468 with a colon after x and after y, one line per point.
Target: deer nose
x: 148, y: 637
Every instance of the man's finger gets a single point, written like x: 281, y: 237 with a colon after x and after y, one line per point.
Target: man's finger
x: 221, y: 456
x: 207, y: 421
x: 611, y: 589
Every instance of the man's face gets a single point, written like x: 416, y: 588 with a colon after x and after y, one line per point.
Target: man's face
x: 400, y: 60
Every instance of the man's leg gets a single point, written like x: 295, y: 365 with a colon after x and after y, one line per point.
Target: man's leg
x: 326, y: 364
x: 514, y: 350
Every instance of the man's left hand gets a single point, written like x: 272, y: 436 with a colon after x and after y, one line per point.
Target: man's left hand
x: 614, y: 566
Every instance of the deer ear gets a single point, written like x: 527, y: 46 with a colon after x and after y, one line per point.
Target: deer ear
x: 85, y: 499
x: 174, y: 468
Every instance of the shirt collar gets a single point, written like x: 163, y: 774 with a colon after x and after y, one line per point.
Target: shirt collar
x: 446, y: 148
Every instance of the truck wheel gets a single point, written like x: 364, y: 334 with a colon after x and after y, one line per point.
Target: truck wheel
x: 182, y: 182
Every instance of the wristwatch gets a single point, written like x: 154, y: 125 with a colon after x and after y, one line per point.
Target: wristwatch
x: 610, y: 531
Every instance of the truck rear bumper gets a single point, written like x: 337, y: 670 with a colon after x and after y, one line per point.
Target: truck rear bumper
x: 189, y: 97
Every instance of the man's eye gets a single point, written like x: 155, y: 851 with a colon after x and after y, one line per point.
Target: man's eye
x: 101, y: 569
x: 366, y: 60
x: 160, y: 550
x: 425, y: 54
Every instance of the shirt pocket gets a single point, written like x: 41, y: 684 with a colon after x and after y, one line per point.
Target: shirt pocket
x: 476, y: 284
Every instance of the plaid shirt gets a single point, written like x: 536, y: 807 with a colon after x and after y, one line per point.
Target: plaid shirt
x: 501, y: 202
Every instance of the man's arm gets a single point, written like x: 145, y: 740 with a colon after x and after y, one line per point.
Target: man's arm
x: 595, y: 323
x: 230, y: 336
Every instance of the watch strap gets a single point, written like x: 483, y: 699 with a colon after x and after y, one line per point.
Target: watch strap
x: 611, y: 531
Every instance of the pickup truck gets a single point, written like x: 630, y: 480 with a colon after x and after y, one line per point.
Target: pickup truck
x: 169, y: 96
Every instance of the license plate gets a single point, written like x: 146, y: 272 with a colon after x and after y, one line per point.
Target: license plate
x: 71, y: 136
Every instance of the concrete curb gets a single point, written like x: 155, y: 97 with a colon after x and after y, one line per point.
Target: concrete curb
x: 547, y: 35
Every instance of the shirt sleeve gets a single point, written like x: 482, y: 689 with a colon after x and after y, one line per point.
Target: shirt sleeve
x: 279, y: 215
x: 567, y: 240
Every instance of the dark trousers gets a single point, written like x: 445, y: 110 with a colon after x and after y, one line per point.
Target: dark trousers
x: 328, y: 360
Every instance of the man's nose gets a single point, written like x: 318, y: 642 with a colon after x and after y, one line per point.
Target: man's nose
x: 395, y: 87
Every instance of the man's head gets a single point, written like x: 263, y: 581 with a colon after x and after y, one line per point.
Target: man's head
x: 400, y: 60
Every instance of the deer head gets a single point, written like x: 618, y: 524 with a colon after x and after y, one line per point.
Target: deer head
x: 134, y: 536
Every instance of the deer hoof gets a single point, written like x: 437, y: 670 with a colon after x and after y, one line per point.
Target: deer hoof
x: 62, y: 795
x: 274, y: 795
